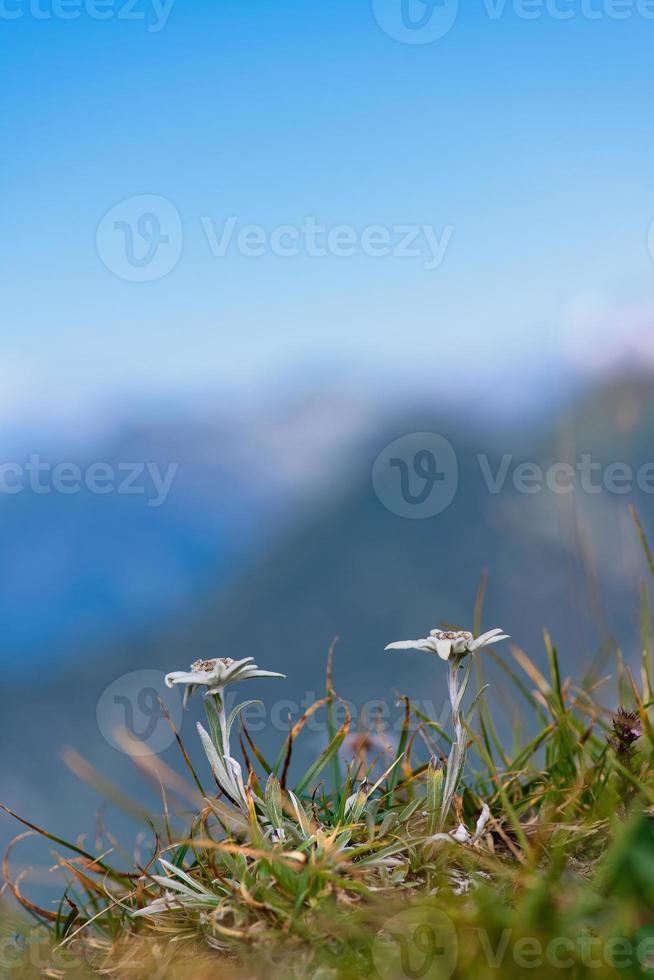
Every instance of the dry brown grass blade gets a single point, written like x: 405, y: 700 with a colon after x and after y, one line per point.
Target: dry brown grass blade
x: 299, y: 725
x: 311, y: 710
x: 287, y: 757
x: 118, y: 875
x: 157, y: 770
x: 641, y: 707
x: 404, y: 734
x: 406, y: 762
x: 531, y: 670
x: 116, y: 903
x: 13, y: 886
x: 107, y: 790
x: 330, y: 665
x: 495, y: 827
x: 254, y: 747
x: 253, y: 785
x: 185, y: 754
x: 231, y: 819
x: 643, y: 538
x: 479, y: 601
x: 83, y: 879
x: 246, y: 758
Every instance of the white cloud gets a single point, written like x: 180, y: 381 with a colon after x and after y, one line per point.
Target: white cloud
x: 601, y: 335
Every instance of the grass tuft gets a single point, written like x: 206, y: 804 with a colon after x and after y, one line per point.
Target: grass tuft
x: 538, y: 858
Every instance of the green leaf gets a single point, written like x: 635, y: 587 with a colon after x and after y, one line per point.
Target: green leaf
x: 273, y: 799
x: 323, y: 759
x: 434, y: 797
x: 236, y: 712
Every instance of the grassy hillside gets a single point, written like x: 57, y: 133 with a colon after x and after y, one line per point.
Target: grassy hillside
x: 353, y: 568
x: 535, y: 854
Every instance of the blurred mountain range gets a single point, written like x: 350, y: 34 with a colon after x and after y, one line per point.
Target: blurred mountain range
x: 275, y: 540
x: 79, y: 568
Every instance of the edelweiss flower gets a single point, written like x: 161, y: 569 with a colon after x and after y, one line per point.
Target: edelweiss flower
x: 450, y: 643
x: 215, y: 674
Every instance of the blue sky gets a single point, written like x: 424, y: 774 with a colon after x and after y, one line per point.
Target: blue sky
x: 531, y: 140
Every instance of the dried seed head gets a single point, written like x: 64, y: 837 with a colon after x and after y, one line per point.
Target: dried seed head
x: 626, y: 725
x: 626, y: 729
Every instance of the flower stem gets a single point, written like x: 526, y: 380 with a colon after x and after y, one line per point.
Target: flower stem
x: 457, y: 756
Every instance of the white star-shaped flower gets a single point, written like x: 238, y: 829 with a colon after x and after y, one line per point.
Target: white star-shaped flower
x: 450, y: 643
x: 215, y: 674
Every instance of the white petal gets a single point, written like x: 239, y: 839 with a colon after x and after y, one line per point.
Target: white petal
x: 490, y: 637
x: 255, y: 672
x: 406, y: 645
x: 489, y: 643
x: 239, y: 663
x: 186, y: 677
x: 443, y: 648
x: 230, y: 673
